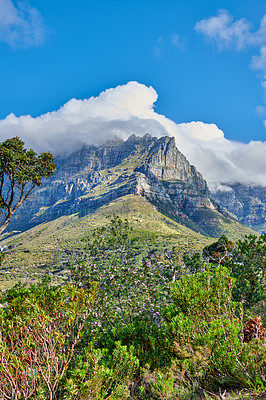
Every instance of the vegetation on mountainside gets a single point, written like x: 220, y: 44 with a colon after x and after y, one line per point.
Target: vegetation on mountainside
x: 40, y: 327
x: 50, y: 247
x: 156, y: 328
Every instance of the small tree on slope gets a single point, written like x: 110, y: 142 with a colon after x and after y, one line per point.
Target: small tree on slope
x: 20, y: 171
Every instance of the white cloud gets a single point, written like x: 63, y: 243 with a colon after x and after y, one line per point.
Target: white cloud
x: 115, y: 112
x: 21, y: 26
x: 176, y: 40
x: 259, y: 62
x: 158, y: 48
x: 261, y: 110
x: 224, y: 32
x: 129, y: 109
x: 173, y: 39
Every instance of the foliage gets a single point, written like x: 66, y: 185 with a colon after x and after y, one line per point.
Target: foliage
x: 253, y: 361
x: 99, y: 374
x: 148, y: 340
x: 20, y: 171
x: 193, y: 263
x: 246, y: 261
x: 40, y: 328
x: 205, y: 327
x: 168, y: 384
x: 139, y: 337
x: 248, y: 266
x: 203, y: 315
x: 259, y: 309
x: 131, y: 292
x: 218, y: 252
x: 128, y: 289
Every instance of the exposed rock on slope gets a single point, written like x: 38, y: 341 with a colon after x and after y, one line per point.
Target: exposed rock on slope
x: 147, y: 166
x: 246, y: 202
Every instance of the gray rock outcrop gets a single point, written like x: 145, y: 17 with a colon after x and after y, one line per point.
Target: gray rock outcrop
x: 147, y: 166
x: 246, y: 202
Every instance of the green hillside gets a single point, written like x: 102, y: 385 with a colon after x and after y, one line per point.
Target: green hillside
x: 51, y: 246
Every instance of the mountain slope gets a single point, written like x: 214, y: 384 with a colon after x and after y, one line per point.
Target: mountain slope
x: 144, y: 179
x: 49, y: 247
x: 246, y: 202
x: 153, y: 168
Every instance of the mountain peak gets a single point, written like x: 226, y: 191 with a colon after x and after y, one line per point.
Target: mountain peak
x: 142, y: 165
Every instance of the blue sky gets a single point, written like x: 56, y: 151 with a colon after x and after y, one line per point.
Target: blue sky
x: 52, y: 51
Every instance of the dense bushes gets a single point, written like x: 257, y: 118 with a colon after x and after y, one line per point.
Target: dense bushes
x: 99, y: 374
x: 207, y: 332
x: 140, y: 335
x: 40, y: 328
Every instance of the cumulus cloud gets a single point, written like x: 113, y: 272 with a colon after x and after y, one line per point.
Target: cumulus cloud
x: 128, y: 109
x: 115, y: 112
x: 21, y: 25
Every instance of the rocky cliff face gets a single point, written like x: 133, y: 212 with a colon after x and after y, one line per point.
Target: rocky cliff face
x: 147, y: 166
x: 247, y: 203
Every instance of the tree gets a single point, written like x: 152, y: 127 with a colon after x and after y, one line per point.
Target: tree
x: 20, y: 171
x: 246, y: 261
x: 248, y: 266
x: 219, y: 252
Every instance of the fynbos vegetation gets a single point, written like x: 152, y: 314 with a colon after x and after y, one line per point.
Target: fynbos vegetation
x: 132, y: 328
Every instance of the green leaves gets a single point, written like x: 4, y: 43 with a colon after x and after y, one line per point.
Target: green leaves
x: 20, y: 171
x: 21, y: 165
x: 100, y: 374
x: 40, y: 328
x: 128, y: 289
x: 203, y: 315
x: 248, y: 266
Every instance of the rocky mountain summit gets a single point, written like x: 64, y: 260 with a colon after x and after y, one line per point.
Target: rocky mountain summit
x: 145, y: 166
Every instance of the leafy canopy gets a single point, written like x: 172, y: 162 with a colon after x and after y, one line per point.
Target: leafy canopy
x: 20, y: 171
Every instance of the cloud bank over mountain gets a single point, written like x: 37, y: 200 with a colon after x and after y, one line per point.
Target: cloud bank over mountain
x: 128, y: 109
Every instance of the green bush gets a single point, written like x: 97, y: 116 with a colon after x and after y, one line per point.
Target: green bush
x: 129, y: 290
x: 40, y: 328
x: 99, y: 374
x: 148, y: 340
x: 205, y: 328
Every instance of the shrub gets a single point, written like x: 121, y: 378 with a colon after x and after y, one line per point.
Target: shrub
x: 99, y: 374
x: 40, y: 328
x: 206, y: 331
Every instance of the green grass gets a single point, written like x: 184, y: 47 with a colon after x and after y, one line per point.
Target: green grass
x: 50, y: 247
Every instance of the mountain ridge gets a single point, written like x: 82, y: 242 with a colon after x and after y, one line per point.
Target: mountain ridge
x: 144, y: 179
x: 246, y: 202
x: 147, y: 166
